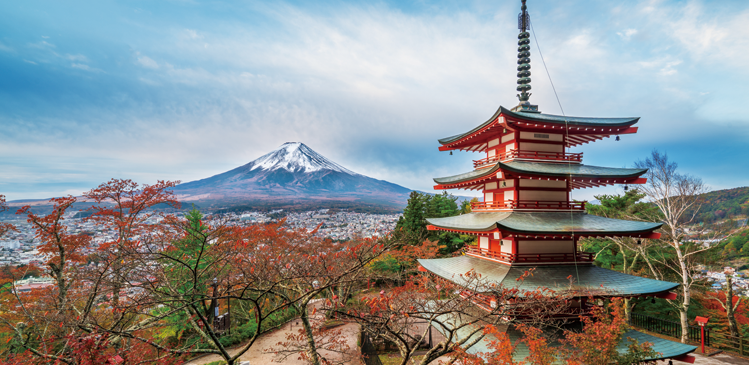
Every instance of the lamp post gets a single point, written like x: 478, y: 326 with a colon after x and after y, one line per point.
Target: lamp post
x: 214, y: 304
x: 702, y: 321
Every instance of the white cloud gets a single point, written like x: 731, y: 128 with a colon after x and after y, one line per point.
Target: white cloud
x: 147, y: 62
x: 80, y: 66
x: 31, y: 62
x: 669, y: 69
x: 627, y: 33
x: 707, y: 33
x: 192, y: 34
x: 42, y: 45
x: 85, y: 67
x: 6, y: 48
x: 148, y: 81
x: 76, y: 57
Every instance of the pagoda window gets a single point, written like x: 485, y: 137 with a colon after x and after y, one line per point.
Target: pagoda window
x: 526, y: 183
x: 540, y: 195
x: 488, y: 197
x: 491, y: 153
x: 494, y: 142
x: 508, y: 137
x: 491, y: 186
x: 506, y: 184
x: 484, y: 243
x: 545, y: 247
x: 551, y: 137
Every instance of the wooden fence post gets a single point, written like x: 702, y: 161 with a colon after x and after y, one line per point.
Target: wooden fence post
x: 741, y: 346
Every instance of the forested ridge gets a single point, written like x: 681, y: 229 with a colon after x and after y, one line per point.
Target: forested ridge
x: 721, y: 204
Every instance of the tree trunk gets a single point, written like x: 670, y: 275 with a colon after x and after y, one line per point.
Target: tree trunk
x: 729, y: 307
x: 314, y: 358
x: 686, y: 301
x: 684, y: 324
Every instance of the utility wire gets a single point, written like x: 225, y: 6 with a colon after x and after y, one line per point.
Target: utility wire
x: 567, y: 133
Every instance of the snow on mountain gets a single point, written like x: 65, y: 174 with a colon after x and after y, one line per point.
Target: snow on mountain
x: 296, y: 157
x: 288, y: 175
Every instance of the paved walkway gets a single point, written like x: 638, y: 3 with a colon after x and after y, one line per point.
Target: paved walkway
x: 719, y: 359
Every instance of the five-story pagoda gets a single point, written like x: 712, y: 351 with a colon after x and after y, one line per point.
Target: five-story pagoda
x: 527, y: 218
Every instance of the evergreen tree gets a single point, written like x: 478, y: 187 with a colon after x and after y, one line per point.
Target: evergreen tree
x: 411, y: 227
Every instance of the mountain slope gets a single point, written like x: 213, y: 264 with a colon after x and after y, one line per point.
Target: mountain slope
x: 720, y: 204
x: 293, y: 172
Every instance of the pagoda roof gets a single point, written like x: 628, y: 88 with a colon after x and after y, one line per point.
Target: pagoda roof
x: 586, y: 279
x: 664, y: 349
x: 544, y: 169
x: 456, y: 137
x: 546, y: 118
x: 540, y: 223
x: 576, y: 121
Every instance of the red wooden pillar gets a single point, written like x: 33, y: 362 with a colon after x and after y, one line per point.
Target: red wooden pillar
x: 702, y: 321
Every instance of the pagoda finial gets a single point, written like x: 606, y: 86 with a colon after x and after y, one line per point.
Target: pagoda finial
x: 524, y: 61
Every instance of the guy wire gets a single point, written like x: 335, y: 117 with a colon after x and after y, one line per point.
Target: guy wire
x: 566, y: 138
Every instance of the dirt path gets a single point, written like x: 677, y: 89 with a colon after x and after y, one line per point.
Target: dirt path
x: 261, y: 353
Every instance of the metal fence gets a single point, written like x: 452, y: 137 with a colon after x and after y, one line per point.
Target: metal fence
x: 719, y: 341
x: 668, y: 328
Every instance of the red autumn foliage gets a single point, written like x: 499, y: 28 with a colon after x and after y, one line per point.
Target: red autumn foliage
x: 57, y: 245
x: 122, y: 205
x: 602, y: 332
x: 717, y: 313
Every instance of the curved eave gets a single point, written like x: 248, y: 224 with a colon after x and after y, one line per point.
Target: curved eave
x: 620, y: 123
x: 570, y: 170
x: 483, y: 125
x: 545, y: 223
x: 555, y: 170
x: 578, y: 280
x: 468, y: 176
x: 664, y: 349
x: 471, y: 222
x: 573, y: 121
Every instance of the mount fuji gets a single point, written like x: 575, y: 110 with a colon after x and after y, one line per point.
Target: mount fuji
x: 291, y: 174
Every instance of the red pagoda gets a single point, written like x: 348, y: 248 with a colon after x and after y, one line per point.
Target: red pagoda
x: 527, y: 219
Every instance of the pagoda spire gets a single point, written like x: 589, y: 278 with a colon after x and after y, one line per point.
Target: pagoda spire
x: 524, y: 62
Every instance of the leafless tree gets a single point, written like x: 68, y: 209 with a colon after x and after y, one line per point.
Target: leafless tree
x: 678, y: 199
x: 728, y: 303
x: 404, y: 316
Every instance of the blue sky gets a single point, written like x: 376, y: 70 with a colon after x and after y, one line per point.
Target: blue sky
x: 182, y: 90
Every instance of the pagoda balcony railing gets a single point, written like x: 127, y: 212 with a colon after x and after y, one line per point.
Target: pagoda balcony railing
x: 520, y: 309
x: 529, y: 155
x: 530, y: 257
x: 528, y: 204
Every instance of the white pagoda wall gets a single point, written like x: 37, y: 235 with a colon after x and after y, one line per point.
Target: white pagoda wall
x: 540, y: 195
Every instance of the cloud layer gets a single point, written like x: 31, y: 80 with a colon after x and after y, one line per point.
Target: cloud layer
x: 183, y: 91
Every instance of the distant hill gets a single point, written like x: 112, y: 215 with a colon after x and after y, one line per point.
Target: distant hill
x: 720, y: 204
x: 295, y: 176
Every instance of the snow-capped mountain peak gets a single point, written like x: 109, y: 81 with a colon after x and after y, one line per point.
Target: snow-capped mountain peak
x: 296, y: 157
